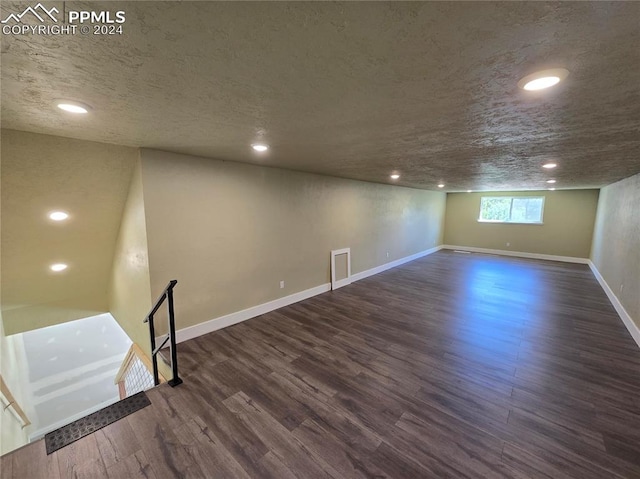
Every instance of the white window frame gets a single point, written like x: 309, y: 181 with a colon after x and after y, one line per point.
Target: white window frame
x: 480, y: 220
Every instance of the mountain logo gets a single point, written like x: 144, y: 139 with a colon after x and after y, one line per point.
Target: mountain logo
x: 17, y: 17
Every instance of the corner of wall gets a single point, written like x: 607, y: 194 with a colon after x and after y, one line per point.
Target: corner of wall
x: 629, y: 322
x: 129, y: 285
x: 443, y: 216
x: 615, y: 249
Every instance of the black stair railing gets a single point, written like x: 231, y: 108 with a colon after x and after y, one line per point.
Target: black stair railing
x: 171, y: 336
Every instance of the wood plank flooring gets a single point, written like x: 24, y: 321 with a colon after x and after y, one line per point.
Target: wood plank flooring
x: 454, y: 365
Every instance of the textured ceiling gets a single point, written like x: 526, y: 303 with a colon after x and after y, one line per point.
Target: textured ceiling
x: 356, y: 90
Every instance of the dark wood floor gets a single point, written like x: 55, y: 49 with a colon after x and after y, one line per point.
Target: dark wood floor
x: 450, y: 366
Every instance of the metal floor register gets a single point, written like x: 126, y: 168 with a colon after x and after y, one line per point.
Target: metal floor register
x: 82, y: 427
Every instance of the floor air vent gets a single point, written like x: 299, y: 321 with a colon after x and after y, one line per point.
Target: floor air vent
x: 82, y: 427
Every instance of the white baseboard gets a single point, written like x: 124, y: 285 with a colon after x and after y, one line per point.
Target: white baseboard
x: 342, y: 282
x: 234, y: 318
x: 630, y: 324
x: 240, y: 316
x: 632, y: 327
x: 393, y: 264
x: 519, y: 254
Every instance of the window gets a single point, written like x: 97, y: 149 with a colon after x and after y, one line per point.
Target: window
x: 508, y: 209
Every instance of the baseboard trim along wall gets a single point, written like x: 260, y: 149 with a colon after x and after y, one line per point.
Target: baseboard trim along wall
x: 519, y: 254
x: 234, y: 318
x: 393, y: 264
x: 239, y: 316
x: 630, y: 324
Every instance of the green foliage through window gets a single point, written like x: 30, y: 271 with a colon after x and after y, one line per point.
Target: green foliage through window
x: 508, y: 209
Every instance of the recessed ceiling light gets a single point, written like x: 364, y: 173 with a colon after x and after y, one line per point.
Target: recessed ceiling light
x: 541, y: 83
x: 72, y: 106
x: 395, y: 176
x: 58, y: 267
x: 58, y: 215
x: 260, y: 147
x: 543, y: 79
x: 549, y: 165
x: 551, y: 181
x: 441, y: 185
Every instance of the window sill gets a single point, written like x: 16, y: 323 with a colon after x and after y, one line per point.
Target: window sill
x: 538, y: 223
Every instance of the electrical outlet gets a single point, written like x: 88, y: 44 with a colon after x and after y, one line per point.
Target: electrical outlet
x: 508, y: 244
x: 621, y: 288
x: 387, y: 254
x: 281, y: 284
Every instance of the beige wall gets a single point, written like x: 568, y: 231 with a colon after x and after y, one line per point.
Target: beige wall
x: 230, y: 232
x: 569, y: 216
x: 41, y: 173
x: 129, y: 289
x: 12, y: 435
x: 341, y: 263
x: 616, y: 242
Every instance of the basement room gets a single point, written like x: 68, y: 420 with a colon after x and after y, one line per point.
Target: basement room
x: 320, y: 240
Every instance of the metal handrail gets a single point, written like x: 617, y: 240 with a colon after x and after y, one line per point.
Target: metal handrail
x: 171, y: 337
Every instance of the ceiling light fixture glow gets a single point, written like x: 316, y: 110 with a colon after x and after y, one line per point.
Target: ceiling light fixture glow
x: 468, y: 191
x: 58, y: 267
x: 543, y: 79
x: 541, y: 83
x: 395, y: 176
x: 552, y: 189
x: 441, y: 185
x: 73, y: 106
x: 551, y: 181
x: 260, y: 147
x: 549, y: 165
x: 58, y: 215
